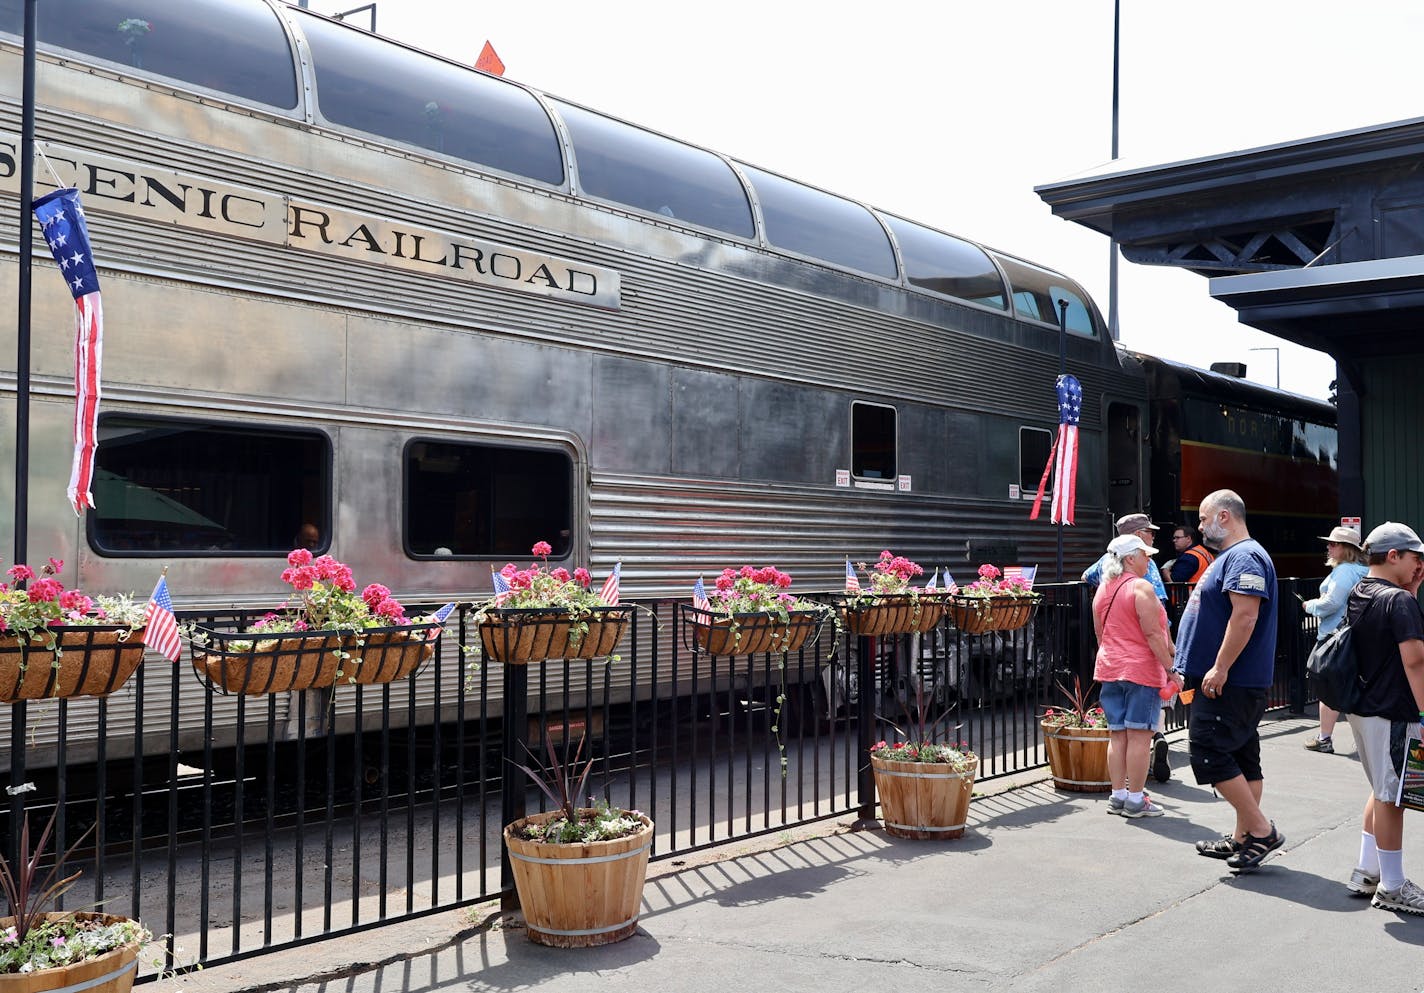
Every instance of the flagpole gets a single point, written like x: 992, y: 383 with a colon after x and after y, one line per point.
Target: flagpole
x: 22, y: 348
x: 1062, y: 371
x: 1112, y: 240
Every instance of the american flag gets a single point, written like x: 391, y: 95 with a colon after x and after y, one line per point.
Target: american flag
x: 62, y: 221
x: 502, y: 591
x: 161, y: 627
x: 1024, y: 572
x: 1063, y: 457
x: 949, y: 580
x: 699, y: 596
x: 933, y: 584
x: 609, y: 593
x: 440, y: 617
x: 852, y: 580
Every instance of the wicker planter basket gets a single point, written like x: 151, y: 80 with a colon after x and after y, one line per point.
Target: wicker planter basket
x: 112, y: 972
x: 923, y: 800
x: 233, y: 662
x: 1078, y: 758
x: 980, y: 615
x: 91, y: 661
x: 578, y: 895
x: 517, y: 636
x: 748, y: 634
x: 894, y: 613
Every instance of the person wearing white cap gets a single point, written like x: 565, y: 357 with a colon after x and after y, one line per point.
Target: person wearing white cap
x: 1346, y: 559
x: 1134, y: 664
x: 1388, y: 630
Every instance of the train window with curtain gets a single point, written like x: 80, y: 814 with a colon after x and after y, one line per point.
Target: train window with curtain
x: 163, y: 486
x: 872, y: 441
x: 1034, y: 446
x: 943, y: 264
x: 652, y: 173
x: 809, y: 222
x: 1036, y: 293
x: 230, y: 46
x: 467, y: 500
x: 366, y: 83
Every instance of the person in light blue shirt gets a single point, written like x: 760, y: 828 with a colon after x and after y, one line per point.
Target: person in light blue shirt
x: 1346, y: 558
x: 1142, y: 526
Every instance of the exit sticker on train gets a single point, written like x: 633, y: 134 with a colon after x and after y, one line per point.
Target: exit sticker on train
x: 1350, y: 522
x: 902, y: 483
x: 842, y: 477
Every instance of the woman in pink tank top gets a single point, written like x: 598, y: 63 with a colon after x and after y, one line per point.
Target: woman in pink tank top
x: 1134, y: 664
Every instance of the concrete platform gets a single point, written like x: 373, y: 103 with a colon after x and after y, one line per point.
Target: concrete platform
x: 1045, y: 892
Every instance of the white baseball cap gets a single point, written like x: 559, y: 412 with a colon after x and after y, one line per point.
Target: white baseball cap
x: 1125, y: 544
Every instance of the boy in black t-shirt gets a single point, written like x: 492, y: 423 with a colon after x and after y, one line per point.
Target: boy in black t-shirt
x: 1388, y: 630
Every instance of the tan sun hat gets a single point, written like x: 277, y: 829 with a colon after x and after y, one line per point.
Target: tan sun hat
x: 1344, y: 536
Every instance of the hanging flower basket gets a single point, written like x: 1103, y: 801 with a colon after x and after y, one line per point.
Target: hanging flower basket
x: 749, y: 633
x: 241, y: 662
x: 520, y: 635
x: 87, y: 660
x: 892, y: 613
x: 980, y: 614
x: 925, y: 801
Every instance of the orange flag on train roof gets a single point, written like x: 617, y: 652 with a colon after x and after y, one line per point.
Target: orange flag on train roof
x: 489, y: 61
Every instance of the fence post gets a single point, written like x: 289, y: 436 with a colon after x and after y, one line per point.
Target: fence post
x: 865, y: 717
x: 511, y: 780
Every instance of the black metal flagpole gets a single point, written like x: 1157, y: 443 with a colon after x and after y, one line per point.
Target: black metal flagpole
x: 1112, y: 240
x: 18, y: 711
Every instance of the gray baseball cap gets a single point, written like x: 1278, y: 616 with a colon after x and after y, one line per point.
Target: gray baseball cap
x: 1134, y: 522
x: 1390, y: 536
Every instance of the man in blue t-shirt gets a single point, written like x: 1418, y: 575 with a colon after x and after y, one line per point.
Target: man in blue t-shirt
x: 1226, y: 648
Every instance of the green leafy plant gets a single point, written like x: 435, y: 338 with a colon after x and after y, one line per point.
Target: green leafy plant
x: 1080, y: 711
x: 38, y: 940
x: 920, y: 737
x: 563, y: 781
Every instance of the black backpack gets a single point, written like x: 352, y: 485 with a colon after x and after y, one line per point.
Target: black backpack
x: 1333, y: 667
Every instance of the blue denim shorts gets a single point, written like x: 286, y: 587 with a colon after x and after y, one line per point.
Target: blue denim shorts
x: 1130, y: 706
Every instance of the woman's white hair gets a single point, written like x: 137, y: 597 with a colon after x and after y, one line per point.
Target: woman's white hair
x: 1112, y: 568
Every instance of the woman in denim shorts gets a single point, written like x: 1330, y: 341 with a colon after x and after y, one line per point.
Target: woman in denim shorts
x: 1134, y: 664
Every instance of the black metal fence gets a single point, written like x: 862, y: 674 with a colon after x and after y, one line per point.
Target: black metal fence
x: 239, y: 823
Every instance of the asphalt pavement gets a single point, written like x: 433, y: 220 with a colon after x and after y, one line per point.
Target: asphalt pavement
x: 1045, y: 892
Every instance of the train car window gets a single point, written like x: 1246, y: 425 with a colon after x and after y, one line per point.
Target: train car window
x: 649, y: 172
x: 480, y: 501
x: 231, y: 46
x: 946, y: 265
x: 809, y: 222
x: 164, y: 486
x: 872, y: 441
x: 1034, y: 446
x: 1036, y: 293
x: 365, y: 83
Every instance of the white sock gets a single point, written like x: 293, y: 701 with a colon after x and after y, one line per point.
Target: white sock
x: 1369, y: 854
x: 1119, y: 794
x: 1391, y: 869
x: 1134, y: 797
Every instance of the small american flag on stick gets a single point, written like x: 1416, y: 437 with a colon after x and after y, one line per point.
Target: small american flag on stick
x: 160, y: 626
x: 609, y: 593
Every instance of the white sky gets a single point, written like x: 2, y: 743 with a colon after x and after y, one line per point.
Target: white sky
x: 951, y: 112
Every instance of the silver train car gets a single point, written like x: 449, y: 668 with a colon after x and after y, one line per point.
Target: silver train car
x: 435, y: 316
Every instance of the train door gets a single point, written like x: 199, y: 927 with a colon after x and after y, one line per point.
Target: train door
x: 1125, y: 491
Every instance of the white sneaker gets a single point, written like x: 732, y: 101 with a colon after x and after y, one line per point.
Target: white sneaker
x: 1145, y: 808
x: 1408, y: 899
x: 1363, y: 883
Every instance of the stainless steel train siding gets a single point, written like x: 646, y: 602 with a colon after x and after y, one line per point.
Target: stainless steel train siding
x: 705, y: 416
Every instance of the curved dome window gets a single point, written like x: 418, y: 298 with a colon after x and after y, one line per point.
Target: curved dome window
x: 809, y: 222
x: 649, y: 172
x: 943, y: 264
x: 1036, y: 293
x: 366, y: 83
x: 235, y: 47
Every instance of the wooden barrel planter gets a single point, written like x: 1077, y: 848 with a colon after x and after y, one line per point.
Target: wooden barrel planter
x: 247, y: 664
x: 923, y: 800
x: 88, y: 661
x: 1078, y: 758
x: 893, y: 613
x: 579, y: 895
x: 518, y: 636
x: 750, y: 633
x: 112, y: 972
